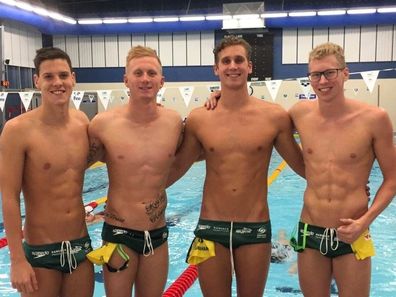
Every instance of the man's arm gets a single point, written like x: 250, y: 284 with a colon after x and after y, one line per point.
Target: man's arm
x: 386, y: 157
x: 287, y: 146
x: 188, y: 152
x: 12, y: 160
x: 96, y: 148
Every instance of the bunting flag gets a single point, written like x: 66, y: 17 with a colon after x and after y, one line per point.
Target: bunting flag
x: 273, y: 87
x: 305, y: 85
x: 213, y: 88
x: 104, y: 97
x: 91, y: 97
x: 355, y: 91
x: 26, y: 98
x: 186, y: 93
x: 370, y: 77
x: 3, y: 98
x: 126, y: 96
x: 160, y: 94
x: 77, y: 97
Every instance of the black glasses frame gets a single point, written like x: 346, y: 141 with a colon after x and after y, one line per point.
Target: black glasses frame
x: 324, y: 73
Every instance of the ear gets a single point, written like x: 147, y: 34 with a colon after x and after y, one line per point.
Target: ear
x: 250, y: 65
x: 74, y: 78
x: 35, y: 79
x: 162, y: 81
x: 215, y: 69
x: 346, y: 73
x: 125, y: 80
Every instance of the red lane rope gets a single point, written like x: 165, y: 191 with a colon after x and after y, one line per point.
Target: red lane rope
x: 182, y: 283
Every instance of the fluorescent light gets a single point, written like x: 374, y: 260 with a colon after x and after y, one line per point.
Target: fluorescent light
x: 361, y: 11
x: 89, y: 21
x: 115, y: 21
x: 9, y: 2
x: 68, y: 20
x: 40, y: 11
x: 140, y: 20
x: 192, y: 18
x: 55, y: 15
x: 274, y: 15
x: 166, y: 19
x: 246, y: 16
x: 24, y: 6
x: 386, y: 9
x: 217, y: 17
x: 302, y: 13
x: 331, y: 12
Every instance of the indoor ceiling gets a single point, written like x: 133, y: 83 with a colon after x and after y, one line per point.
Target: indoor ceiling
x: 124, y: 8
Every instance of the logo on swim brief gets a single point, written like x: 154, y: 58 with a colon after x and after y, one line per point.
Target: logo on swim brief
x: 262, y: 232
x: 244, y: 230
x: 37, y: 255
x: 119, y: 232
x: 165, y: 235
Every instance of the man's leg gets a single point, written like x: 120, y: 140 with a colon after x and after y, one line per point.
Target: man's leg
x: 49, y: 283
x: 352, y: 276
x: 119, y: 284
x: 314, y: 273
x: 251, y: 268
x: 80, y: 282
x: 215, y: 274
x: 152, y: 273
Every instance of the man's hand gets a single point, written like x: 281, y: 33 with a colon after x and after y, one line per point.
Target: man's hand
x: 211, y: 102
x: 350, y: 230
x: 23, y: 277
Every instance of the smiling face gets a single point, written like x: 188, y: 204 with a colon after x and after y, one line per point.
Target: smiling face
x: 55, y: 81
x: 233, y: 66
x: 143, y: 77
x: 327, y: 89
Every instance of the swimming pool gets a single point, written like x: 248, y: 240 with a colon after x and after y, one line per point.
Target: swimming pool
x: 285, y: 200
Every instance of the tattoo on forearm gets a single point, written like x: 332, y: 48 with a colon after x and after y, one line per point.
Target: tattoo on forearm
x: 113, y: 216
x: 156, y: 208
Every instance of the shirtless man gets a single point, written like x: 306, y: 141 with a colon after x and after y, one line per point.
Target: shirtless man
x: 138, y: 142
x: 44, y: 154
x: 341, y: 138
x: 237, y: 139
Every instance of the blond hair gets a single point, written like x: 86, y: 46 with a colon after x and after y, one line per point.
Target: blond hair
x: 141, y: 52
x: 328, y: 49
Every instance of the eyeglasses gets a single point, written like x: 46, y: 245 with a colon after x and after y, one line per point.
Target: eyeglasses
x: 329, y: 74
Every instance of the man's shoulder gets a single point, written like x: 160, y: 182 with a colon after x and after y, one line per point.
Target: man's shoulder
x: 22, y: 121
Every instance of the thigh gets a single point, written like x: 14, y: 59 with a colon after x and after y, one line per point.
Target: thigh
x: 314, y: 273
x: 251, y: 268
x: 152, y: 273
x: 352, y: 276
x: 80, y: 282
x: 215, y: 274
x: 49, y: 283
x: 119, y: 284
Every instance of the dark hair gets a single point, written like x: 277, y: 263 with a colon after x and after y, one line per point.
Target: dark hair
x: 50, y: 53
x: 231, y: 40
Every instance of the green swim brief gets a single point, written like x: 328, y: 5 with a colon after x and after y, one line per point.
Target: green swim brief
x: 62, y: 256
x: 242, y: 232
x: 142, y: 242
x: 322, y: 239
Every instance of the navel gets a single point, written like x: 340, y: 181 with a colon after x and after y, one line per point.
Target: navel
x: 352, y: 155
x: 309, y: 150
x: 47, y: 166
x: 259, y: 148
x: 211, y: 149
x: 121, y: 157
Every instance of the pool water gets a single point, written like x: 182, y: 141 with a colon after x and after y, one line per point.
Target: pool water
x: 285, y: 201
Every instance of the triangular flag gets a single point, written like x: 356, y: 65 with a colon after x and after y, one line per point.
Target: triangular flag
x: 370, y: 77
x: 213, y: 88
x: 104, y: 97
x: 126, y: 96
x: 305, y: 86
x: 160, y: 94
x: 91, y: 97
x: 3, y: 97
x: 186, y: 93
x: 355, y: 90
x: 77, y: 97
x: 273, y: 87
x: 26, y: 98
